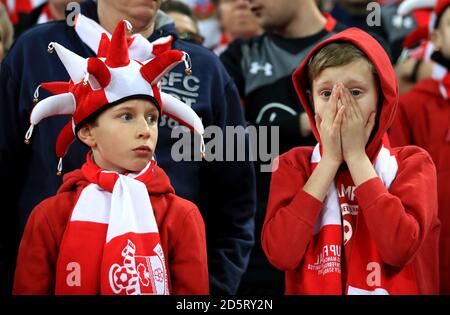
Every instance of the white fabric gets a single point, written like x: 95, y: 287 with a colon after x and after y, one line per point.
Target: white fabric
x: 407, y: 6
x: 357, y: 291
x: 75, y: 65
x: 385, y: 166
x: 43, y: 18
x: 438, y: 72
x: 61, y: 104
x: 90, y: 33
x: 126, y: 81
x: 182, y: 111
x: 126, y: 209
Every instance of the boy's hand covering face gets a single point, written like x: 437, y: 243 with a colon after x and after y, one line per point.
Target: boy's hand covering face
x: 329, y: 127
x: 355, y: 132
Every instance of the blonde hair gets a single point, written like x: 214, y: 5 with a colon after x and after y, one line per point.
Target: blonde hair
x: 335, y: 55
x: 6, y: 28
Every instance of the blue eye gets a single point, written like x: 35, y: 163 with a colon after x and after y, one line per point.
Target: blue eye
x: 126, y: 117
x: 356, y: 92
x: 326, y: 93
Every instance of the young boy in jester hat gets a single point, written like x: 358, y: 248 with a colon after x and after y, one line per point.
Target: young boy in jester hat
x: 115, y: 226
x: 352, y: 215
x: 423, y: 119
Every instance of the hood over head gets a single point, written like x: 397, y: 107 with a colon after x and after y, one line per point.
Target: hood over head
x: 388, y: 97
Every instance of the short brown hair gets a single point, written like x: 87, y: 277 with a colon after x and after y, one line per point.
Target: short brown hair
x: 335, y: 55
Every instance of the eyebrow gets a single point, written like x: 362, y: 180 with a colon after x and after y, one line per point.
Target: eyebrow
x: 122, y: 107
x: 353, y: 81
x: 133, y: 108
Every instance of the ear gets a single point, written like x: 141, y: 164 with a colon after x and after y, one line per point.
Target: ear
x: 436, y: 39
x: 86, y: 135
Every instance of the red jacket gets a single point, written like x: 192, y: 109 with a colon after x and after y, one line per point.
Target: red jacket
x: 180, y: 225
x: 423, y: 119
x: 408, y: 231
x: 402, y: 221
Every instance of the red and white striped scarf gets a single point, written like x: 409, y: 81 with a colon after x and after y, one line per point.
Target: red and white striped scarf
x: 342, y: 258
x: 111, y: 244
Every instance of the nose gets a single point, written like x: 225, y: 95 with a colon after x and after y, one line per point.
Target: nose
x: 143, y: 129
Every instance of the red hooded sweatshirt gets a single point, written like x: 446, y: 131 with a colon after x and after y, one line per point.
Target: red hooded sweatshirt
x: 423, y: 119
x: 402, y: 221
x: 181, y: 230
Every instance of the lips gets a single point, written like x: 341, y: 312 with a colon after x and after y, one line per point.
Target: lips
x: 143, y: 150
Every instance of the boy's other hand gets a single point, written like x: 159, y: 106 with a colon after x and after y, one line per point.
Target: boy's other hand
x: 305, y: 126
x: 329, y: 127
x: 355, y: 131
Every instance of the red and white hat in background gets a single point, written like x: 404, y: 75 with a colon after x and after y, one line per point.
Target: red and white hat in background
x: 426, y: 13
x: 100, y: 81
x: 422, y: 35
x: 422, y: 12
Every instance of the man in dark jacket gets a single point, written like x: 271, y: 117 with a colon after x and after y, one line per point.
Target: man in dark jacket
x: 227, y: 208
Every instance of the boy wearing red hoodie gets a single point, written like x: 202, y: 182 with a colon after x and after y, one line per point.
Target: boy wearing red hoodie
x: 352, y: 215
x: 115, y: 226
x: 423, y: 119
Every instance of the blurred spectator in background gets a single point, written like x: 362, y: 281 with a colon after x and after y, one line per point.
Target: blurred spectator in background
x: 423, y: 119
x: 207, y: 22
x: 6, y: 32
x: 360, y: 14
x: 185, y: 22
x: 353, y: 13
x: 14, y: 7
x: 50, y: 10
x: 236, y: 21
x: 415, y: 64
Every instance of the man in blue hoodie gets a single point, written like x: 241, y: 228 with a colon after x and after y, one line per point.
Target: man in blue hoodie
x: 228, y: 209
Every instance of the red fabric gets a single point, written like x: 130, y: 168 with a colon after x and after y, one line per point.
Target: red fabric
x: 423, y: 119
x: 118, y: 50
x: 88, y: 101
x: 56, y: 87
x: 441, y: 6
x: 402, y: 221
x: 103, y: 46
x: 422, y: 17
x: 99, y: 70
x: 331, y: 22
x: 417, y: 36
x: 64, y: 140
x: 18, y: 6
x: 181, y: 229
x: 153, y: 70
x: 400, y: 224
x: 162, y: 47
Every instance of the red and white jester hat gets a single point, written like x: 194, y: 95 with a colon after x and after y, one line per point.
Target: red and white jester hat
x: 98, y: 81
x: 436, y: 6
